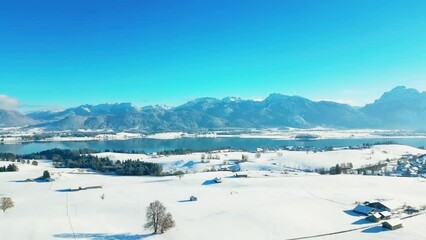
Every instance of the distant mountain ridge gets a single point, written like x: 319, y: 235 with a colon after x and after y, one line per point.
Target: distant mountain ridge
x: 400, y: 108
x: 10, y: 118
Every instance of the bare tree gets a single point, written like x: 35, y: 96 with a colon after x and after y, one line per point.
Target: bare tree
x: 157, y: 218
x: 167, y: 223
x: 6, y: 203
x: 179, y: 174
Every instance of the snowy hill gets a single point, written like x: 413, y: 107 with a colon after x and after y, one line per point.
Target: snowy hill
x: 262, y: 207
x: 401, y: 107
x: 10, y: 118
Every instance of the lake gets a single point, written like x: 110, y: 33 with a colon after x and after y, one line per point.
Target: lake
x: 154, y: 145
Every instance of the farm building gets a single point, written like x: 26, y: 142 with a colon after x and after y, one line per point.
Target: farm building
x: 392, y: 224
x: 375, y: 217
x: 389, y: 205
x: 378, y: 216
x: 241, y: 175
x: 224, y: 168
x: 385, y: 215
x: 217, y: 180
x: 365, y: 210
x: 231, y: 162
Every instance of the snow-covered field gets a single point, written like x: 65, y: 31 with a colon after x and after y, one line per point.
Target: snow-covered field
x: 285, y: 207
x: 276, y: 160
x: 271, y: 204
x: 328, y: 133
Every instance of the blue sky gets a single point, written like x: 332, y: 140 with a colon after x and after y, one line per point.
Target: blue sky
x: 56, y: 54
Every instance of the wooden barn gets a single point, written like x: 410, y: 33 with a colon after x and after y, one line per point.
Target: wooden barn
x: 217, y: 180
x: 389, y: 205
x: 365, y: 210
x: 375, y: 217
x: 241, y: 175
x: 385, y: 215
x: 378, y: 216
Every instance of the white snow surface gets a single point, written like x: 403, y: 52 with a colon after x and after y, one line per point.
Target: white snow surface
x: 264, y: 206
x: 272, y: 160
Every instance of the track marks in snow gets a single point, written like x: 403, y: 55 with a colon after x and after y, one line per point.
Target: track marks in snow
x: 69, y: 219
x: 329, y: 200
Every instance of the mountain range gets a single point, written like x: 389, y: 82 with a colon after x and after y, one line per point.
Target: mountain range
x: 400, y: 108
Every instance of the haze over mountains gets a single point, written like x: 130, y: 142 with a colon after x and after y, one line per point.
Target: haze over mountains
x: 400, y: 108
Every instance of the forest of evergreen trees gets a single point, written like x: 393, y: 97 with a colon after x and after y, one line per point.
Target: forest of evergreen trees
x: 82, y: 159
x: 10, y: 168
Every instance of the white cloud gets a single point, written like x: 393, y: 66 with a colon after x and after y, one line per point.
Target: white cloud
x: 8, y: 103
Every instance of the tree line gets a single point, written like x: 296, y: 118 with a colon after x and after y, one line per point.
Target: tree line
x: 338, y: 169
x: 82, y: 158
x: 10, y: 168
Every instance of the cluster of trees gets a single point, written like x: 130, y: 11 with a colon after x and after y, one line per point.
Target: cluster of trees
x: 137, y: 168
x: 244, y: 158
x: 46, y: 175
x: 125, y: 151
x: 338, y: 169
x: 8, y: 157
x: 37, y: 137
x: 379, y: 143
x: 372, y: 167
x: 10, y: 168
x: 42, y: 136
x: 335, y: 170
x: 57, y: 154
x: 176, y: 152
x: 83, y: 159
x: 206, y: 159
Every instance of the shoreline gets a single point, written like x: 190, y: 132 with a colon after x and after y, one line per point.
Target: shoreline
x: 287, y: 135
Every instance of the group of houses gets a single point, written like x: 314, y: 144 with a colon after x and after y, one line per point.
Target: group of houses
x: 411, y: 166
x: 408, y: 165
x: 376, y: 211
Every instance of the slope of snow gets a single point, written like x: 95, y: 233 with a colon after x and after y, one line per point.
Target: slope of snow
x: 239, y: 208
x: 275, y: 160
